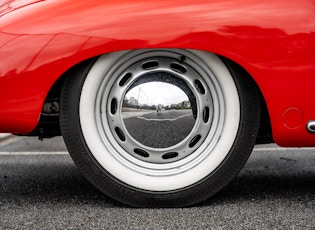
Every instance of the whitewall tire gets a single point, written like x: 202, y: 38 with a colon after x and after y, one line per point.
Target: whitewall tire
x: 226, y: 116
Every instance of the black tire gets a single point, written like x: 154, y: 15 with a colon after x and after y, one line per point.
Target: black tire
x: 103, y: 161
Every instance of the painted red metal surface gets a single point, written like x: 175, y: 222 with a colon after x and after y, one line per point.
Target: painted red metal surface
x: 274, y: 40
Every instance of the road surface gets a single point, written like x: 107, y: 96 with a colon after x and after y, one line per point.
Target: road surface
x: 40, y: 188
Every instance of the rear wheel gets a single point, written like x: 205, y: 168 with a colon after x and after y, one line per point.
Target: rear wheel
x: 177, y: 157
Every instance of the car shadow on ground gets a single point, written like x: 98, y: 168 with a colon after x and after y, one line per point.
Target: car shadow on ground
x: 258, y: 188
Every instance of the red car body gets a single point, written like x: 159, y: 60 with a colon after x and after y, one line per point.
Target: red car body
x: 273, y: 40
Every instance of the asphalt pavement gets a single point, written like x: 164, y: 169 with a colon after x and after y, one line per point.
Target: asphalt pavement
x: 40, y: 188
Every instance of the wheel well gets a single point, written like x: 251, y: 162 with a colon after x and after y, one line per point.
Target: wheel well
x: 265, y: 131
x: 48, y: 125
x: 49, y: 120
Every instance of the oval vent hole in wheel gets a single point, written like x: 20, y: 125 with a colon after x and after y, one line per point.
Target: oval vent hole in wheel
x: 113, y: 106
x: 194, y: 141
x: 206, y: 114
x: 178, y: 68
x: 141, y: 152
x: 199, y: 87
x: 125, y: 79
x: 150, y: 65
x: 120, y: 134
x: 170, y: 155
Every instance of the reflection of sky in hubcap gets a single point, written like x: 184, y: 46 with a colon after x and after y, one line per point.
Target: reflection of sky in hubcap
x: 154, y: 93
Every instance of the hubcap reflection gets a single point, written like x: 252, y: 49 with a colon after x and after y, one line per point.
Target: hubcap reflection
x: 157, y: 114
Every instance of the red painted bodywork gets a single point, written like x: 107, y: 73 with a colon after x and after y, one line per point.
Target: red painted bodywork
x: 274, y: 40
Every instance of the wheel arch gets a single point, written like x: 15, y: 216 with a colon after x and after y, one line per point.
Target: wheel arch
x: 49, y: 126
x: 265, y: 129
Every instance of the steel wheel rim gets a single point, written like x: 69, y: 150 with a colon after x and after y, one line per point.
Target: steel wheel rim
x: 209, y: 131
